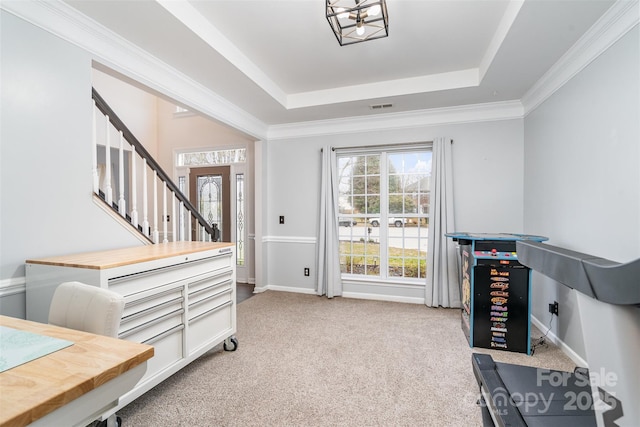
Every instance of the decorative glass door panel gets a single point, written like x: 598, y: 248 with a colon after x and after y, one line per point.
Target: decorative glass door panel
x: 240, y: 219
x: 209, y: 198
x: 209, y: 192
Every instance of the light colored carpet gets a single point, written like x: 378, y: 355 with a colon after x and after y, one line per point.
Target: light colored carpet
x: 305, y: 360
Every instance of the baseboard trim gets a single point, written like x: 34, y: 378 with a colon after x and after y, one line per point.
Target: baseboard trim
x: 289, y: 289
x: 575, y: 357
x: 379, y: 297
x: 353, y: 295
x: 277, y: 288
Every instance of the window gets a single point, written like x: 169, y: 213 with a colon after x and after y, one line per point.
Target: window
x: 212, y: 157
x: 384, y: 213
x: 240, y: 219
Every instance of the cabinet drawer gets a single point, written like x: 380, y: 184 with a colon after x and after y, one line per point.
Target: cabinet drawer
x: 167, y: 351
x: 211, y: 326
x: 209, y: 281
x: 208, y: 300
x: 153, y: 298
x: 157, y: 326
x: 138, y: 282
x: 151, y: 317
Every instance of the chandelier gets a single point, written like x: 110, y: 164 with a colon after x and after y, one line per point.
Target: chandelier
x: 355, y: 21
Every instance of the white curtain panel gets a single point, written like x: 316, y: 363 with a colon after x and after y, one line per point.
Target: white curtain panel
x: 443, y: 288
x: 329, y: 281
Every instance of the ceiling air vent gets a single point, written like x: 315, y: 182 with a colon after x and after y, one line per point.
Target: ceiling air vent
x: 380, y: 106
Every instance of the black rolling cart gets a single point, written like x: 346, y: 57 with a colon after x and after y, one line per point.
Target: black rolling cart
x: 496, y: 306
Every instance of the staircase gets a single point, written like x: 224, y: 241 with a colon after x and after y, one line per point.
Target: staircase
x: 131, y: 183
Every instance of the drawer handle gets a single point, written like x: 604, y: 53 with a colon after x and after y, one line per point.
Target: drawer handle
x: 152, y: 340
x: 150, y: 323
x: 154, y: 296
x: 153, y: 309
x: 209, y: 298
x: 213, y: 276
x: 217, y: 285
x: 214, y: 309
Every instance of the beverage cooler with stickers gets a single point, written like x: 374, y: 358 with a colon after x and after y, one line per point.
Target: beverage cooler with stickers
x: 495, y: 290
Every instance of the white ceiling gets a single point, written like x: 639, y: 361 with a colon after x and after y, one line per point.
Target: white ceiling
x: 279, y: 60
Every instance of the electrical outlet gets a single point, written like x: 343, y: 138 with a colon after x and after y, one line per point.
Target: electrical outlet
x: 306, y: 271
x: 553, y: 308
x: 281, y: 219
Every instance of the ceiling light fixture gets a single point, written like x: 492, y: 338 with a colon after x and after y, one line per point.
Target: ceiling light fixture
x: 355, y: 21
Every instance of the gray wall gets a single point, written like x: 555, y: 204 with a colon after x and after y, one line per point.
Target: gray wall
x: 488, y: 179
x: 46, y: 205
x: 569, y: 170
x: 582, y: 173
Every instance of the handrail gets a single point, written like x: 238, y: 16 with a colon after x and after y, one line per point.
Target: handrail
x: 102, y: 105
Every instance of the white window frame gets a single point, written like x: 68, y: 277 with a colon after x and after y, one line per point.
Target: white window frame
x: 384, y: 151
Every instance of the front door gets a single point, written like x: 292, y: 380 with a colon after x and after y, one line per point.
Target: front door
x: 209, y: 192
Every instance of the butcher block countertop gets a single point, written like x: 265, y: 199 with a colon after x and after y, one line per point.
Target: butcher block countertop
x: 32, y: 390
x: 126, y: 256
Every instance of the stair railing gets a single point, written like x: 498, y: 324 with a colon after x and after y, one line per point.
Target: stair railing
x: 172, y: 216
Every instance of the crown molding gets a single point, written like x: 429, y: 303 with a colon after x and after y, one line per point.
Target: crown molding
x: 622, y: 17
x: 115, y: 52
x: 431, y: 117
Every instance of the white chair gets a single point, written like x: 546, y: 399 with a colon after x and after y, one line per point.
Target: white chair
x: 88, y: 308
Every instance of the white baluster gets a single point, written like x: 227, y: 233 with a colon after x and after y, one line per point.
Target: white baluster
x: 181, y: 224
x: 188, y: 230
x: 156, y: 234
x: 108, y: 191
x: 94, y: 151
x: 164, y: 212
x: 145, y: 199
x: 122, y: 208
x: 173, y: 220
x: 134, y: 189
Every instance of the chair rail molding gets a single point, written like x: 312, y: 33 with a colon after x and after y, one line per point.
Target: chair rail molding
x: 289, y: 239
x: 13, y: 286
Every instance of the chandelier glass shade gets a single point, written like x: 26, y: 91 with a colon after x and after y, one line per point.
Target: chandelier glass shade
x: 355, y: 21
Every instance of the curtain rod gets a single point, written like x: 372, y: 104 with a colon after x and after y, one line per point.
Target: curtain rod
x: 382, y: 146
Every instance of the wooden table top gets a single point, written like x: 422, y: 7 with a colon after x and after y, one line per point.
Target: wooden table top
x: 32, y: 390
x: 126, y: 256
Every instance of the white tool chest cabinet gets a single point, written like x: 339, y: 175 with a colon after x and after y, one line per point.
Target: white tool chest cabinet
x: 180, y: 297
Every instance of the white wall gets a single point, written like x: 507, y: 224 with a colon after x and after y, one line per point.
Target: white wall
x: 193, y: 132
x: 488, y: 181
x: 135, y: 107
x: 582, y: 174
x: 153, y: 121
x: 46, y: 202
